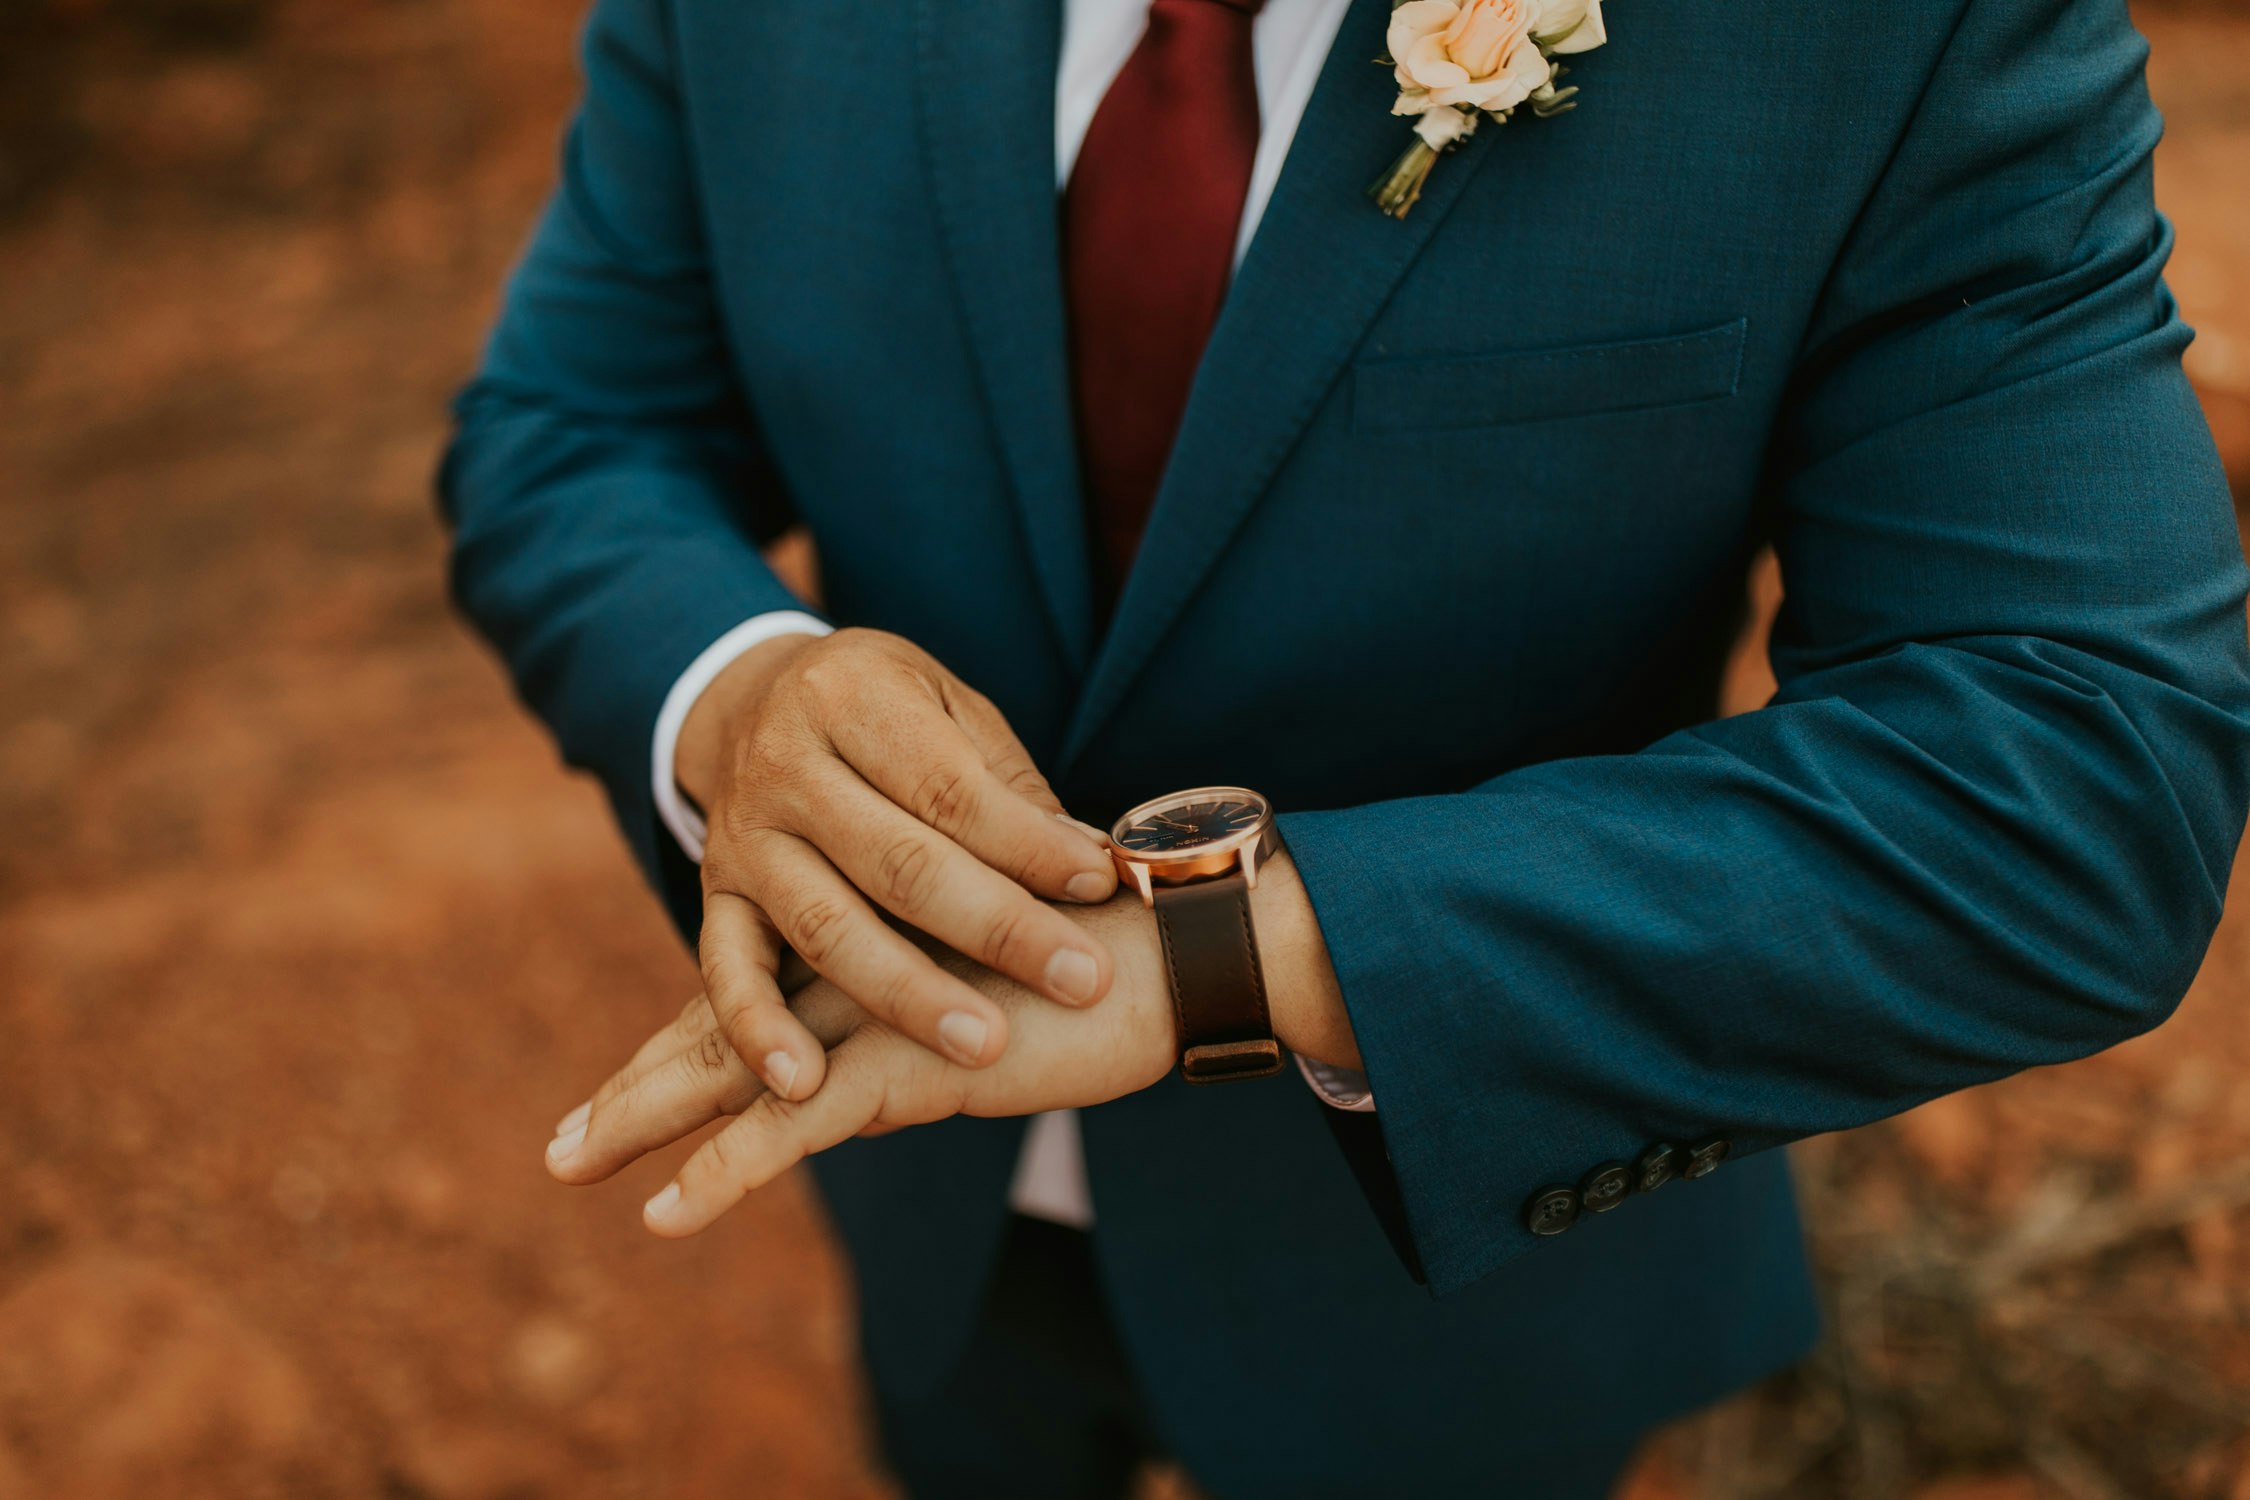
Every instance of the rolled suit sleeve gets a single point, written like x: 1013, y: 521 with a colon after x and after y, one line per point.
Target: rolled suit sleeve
x: 606, y: 485
x: 1988, y: 820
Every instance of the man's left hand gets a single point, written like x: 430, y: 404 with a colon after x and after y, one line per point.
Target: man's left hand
x: 878, y: 1079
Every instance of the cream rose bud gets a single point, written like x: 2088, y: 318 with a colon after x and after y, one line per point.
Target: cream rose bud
x: 1440, y: 128
x: 1578, y: 24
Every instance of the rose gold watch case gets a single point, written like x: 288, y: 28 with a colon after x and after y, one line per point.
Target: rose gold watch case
x: 1243, y: 850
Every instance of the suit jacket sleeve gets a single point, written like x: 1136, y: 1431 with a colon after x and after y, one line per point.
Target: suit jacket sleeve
x: 1987, y: 821
x: 605, y: 482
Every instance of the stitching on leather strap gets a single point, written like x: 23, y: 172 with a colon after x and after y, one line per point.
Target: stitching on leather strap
x: 1172, y: 971
x: 1250, y: 949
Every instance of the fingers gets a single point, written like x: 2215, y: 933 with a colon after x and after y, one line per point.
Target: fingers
x: 676, y: 1037
x: 868, y: 780
x: 773, y: 1135
x: 818, y: 912
x: 966, y: 775
x: 739, y: 957
x: 683, y: 1077
x: 935, y: 885
x: 663, y: 1102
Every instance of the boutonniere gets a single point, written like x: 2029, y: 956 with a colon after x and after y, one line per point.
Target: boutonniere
x: 1460, y: 60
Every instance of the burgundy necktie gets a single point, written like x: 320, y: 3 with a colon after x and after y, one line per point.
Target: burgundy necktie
x: 1148, y: 230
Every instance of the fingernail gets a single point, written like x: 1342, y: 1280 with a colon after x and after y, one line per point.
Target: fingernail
x: 781, y: 1073
x: 660, y: 1208
x: 565, y: 1145
x: 1087, y: 829
x: 575, y: 1120
x: 1073, y: 974
x: 963, y: 1035
x: 1086, y: 886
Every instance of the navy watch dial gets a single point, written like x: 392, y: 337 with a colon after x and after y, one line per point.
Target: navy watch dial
x: 1191, y: 825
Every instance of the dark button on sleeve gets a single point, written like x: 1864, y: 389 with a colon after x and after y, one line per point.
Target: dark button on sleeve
x: 1704, y: 1157
x: 1656, y: 1166
x: 1551, y: 1210
x: 1605, y: 1187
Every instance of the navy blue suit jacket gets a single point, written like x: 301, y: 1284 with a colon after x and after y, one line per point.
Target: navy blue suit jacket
x: 1448, y: 552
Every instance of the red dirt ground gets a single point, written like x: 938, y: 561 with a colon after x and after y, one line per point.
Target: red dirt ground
x: 305, y: 940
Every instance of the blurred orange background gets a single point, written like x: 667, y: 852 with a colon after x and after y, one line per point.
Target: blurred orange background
x: 305, y: 940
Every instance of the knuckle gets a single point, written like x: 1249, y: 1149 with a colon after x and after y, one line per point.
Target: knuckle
x: 830, y: 679
x: 737, y: 829
x: 898, y: 994
x: 943, y: 797
x: 737, y: 1097
x: 729, y: 1155
x: 713, y: 960
x: 1022, y: 857
x: 905, y: 873
x: 817, y: 929
x: 1003, y: 931
x: 725, y: 869
x: 768, y: 1122
x: 767, y: 756
x: 970, y: 701
x: 728, y: 982
x: 866, y: 644
x: 1026, y: 782
x: 712, y: 1051
x: 622, y: 1111
x: 771, y: 1113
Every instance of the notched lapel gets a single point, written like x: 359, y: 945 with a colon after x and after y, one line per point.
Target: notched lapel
x: 986, y: 73
x: 1323, y: 263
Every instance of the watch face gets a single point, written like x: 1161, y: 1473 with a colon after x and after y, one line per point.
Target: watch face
x: 1190, y: 823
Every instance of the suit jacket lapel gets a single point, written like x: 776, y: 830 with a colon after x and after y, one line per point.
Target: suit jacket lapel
x: 1322, y: 264
x: 987, y: 92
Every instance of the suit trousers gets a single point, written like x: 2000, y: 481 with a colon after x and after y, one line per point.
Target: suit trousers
x: 1045, y: 1406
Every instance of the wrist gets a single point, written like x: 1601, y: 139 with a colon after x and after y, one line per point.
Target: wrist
x: 706, y: 745
x: 1127, y: 927
x: 1303, y: 998
x: 1303, y: 995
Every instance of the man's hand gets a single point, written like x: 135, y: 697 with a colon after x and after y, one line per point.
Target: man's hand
x: 852, y: 772
x: 688, y: 1074
x: 878, y: 1080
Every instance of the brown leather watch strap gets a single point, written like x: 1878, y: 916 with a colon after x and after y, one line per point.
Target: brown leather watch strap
x: 1218, y: 988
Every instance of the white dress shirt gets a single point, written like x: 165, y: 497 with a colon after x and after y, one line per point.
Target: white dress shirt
x: 1289, y: 43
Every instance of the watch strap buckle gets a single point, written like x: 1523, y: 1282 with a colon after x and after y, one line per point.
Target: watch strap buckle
x: 1223, y: 1062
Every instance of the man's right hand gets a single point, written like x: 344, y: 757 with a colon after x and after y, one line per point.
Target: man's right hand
x: 850, y: 772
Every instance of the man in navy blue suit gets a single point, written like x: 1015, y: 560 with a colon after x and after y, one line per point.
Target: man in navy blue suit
x: 1277, y: 630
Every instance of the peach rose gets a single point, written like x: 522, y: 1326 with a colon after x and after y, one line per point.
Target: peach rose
x: 1477, y: 54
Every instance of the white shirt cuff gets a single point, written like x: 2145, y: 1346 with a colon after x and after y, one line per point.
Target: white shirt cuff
x: 1339, y: 1088
x: 672, y: 805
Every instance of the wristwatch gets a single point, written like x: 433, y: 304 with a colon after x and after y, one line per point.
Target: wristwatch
x: 1194, y: 857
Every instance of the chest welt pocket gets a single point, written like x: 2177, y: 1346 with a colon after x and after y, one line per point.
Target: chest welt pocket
x: 1537, y: 385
